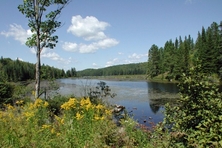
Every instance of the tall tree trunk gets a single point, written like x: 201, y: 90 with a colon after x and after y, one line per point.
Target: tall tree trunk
x: 38, y: 51
x: 37, y: 74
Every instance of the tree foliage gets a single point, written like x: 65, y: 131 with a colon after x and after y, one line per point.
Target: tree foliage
x: 6, y: 92
x: 196, y: 120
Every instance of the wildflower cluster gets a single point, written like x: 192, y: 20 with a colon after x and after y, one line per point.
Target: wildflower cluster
x: 32, y: 109
x: 85, y: 108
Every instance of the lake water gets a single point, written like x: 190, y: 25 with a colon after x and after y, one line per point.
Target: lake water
x: 143, y: 100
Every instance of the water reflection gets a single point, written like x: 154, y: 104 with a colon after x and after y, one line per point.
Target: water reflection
x: 154, y: 107
x: 161, y: 93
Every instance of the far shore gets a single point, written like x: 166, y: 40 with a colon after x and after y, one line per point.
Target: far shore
x: 129, y: 78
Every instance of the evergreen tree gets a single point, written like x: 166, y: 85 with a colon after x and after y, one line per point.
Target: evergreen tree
x: 220, y: 52
x: 154, y: 58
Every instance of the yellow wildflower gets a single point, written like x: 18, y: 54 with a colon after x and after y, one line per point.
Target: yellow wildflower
x: 58, y: 134
x: 38, y: 102
x: 62, y: 121
x: 28, y: 115
x: 102, y: 118
x: 9, y: 107
x: 82, y: 102
x: 96, y: 117
x: 70, y: 104
x: 45, y: 126
x: 78, y: 116
x: 108, y: 112
x: 46, y: 104
x: 52, y: 130
x: 86, y: 103
x: 99, y: 106
x: 19, y: 102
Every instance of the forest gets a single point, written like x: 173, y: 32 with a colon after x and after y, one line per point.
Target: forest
x: 16, y: 70
x: 176, y: 57
x: 125, y: 69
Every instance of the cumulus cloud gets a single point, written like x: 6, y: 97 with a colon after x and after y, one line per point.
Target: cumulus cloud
x: 134, y: 58
x: 112, y: 62
x: 95, y: 65
x: 68, y: 46
x: 90, y: 29
x: 137, y: 56
x: 48, y: 53
x: 89, y: 48
x: 18, y: 33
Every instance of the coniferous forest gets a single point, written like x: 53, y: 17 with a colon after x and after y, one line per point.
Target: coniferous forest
x: 176, y: 57
x: 16, y: 70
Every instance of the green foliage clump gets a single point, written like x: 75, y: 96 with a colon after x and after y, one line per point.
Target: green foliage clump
x: 55, y: 103
x: 196, y: 120
x: 6, y: 92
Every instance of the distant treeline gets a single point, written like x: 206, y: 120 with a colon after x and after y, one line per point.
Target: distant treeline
x: 16, y: 70
x: 177, y: 57
x: 126, y: 69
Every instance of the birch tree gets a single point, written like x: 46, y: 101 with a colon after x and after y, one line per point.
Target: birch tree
x: 42, y: 19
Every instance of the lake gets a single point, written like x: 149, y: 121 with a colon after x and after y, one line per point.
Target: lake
x: 143, y: 100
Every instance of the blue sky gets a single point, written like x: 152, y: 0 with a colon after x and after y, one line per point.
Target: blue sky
x: 101, y: 33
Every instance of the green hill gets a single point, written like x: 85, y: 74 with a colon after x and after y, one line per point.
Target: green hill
x: 125, y: 69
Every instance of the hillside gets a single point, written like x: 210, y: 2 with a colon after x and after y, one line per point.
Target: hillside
x: 125, y: 69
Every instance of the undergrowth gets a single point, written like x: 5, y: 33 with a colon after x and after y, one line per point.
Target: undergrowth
x: 80, y: 124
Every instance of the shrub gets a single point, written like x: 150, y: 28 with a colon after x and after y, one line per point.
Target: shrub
x: 56, y: 102
x: 196, y: 120
x: 6, y: 92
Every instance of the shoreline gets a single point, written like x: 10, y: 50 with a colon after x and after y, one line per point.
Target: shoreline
x: 128, y: 78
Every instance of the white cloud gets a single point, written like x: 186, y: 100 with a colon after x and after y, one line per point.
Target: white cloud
x: 135, y: 58
x: 95, y: 65
x: 89, y: 28
x: 90, y: 48
x: 112, y: 62
x: 20, y: 59
x: 48, y: 53
x: 18, y: 33
x: 68, y: 46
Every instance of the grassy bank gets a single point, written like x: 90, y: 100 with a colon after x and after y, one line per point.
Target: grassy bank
x: 132, y: 78
x: 120, y: 77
